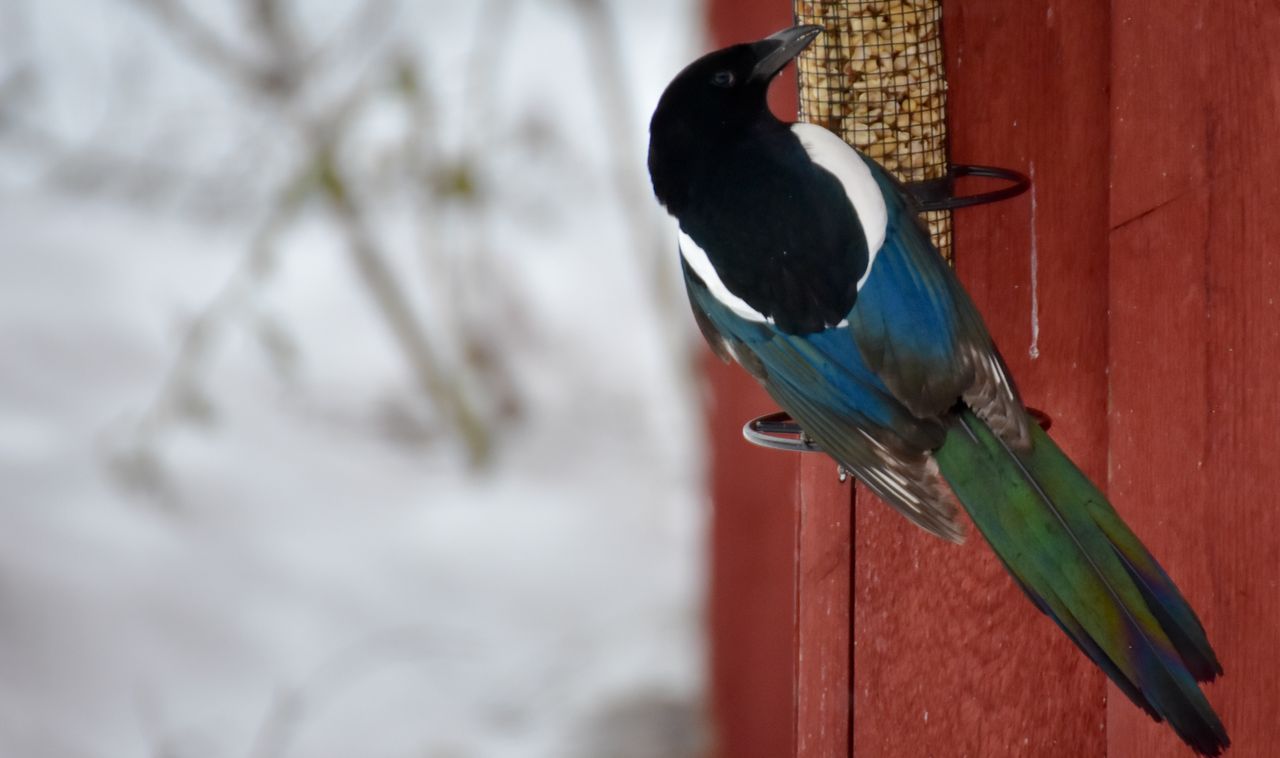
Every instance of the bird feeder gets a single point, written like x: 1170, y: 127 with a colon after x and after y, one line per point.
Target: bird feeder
x: 877, y: 78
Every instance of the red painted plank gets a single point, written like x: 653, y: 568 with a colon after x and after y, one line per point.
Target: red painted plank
x: 752, y: 586
x: 1195, y: 334
x: 753, y: 521
x: 822, y: 610
x: 950, y: 659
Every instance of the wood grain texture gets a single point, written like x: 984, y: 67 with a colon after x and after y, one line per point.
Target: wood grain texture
x: 823, y: 632
x: 1195, y: 335
x: 950, y: 659
x: 753, y: 521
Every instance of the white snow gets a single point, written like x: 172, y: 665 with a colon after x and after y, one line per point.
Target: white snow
x: 309, y: 570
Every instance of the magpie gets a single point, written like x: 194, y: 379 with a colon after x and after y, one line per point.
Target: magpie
x: 807, y: 264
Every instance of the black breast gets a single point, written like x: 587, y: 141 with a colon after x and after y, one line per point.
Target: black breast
x: 779, y: 230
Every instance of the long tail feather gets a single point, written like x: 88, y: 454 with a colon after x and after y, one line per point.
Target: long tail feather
x: 1085, y: 569
x: 1175, y: 615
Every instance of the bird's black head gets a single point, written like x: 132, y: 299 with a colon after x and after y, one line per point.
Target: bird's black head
x: 718, y: 97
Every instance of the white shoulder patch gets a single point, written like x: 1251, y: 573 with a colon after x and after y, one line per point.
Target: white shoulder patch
x: 831, y: 152
x: 697, y: 259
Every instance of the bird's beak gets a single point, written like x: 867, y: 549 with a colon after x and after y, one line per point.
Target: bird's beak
x: 777, y: 50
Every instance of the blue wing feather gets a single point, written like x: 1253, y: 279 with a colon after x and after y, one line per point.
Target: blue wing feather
x: 872, y: 391
x: 921, y: 334
x: 912, y: 319
x: 822, y: 380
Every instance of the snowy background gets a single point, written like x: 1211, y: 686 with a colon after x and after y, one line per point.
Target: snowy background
x: 345, y: 383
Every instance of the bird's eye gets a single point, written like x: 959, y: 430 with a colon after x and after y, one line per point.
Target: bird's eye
x: 723, y: 79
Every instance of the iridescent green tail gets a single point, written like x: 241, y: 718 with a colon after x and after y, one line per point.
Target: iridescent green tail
x: 1082, y: 566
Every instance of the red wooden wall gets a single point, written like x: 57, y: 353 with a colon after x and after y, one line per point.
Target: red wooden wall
x: 1134, y: 295
x: 1195, y: 333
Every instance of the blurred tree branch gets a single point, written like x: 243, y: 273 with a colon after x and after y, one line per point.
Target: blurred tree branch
x: 321, y: 131
x: 204, y: 43
x: 383, y: 285
x: 318, y: 90
x: 604, y: 50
